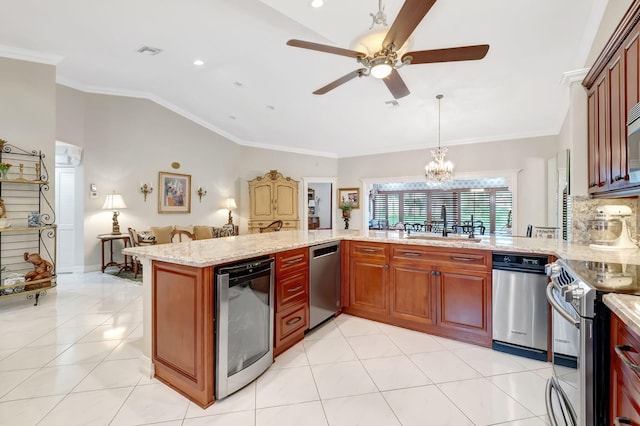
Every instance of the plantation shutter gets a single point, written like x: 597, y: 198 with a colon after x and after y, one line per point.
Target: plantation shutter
x: 414, y: 207
x: 448, y: 199
x: 503, y: 212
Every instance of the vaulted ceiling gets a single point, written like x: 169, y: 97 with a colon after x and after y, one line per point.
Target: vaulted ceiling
x: 256, y: 90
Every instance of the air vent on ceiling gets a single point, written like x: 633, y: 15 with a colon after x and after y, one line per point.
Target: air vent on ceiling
x: 149, y: 50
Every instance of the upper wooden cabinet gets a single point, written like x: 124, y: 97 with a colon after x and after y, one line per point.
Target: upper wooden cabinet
x: 273, y: 197
x: 612, y: 90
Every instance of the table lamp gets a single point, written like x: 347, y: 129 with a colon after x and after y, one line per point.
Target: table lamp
x: 114, y: 202
x: 231, y: 204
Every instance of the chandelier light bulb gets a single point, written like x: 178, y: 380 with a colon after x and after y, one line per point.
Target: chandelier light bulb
x: 381, y: 70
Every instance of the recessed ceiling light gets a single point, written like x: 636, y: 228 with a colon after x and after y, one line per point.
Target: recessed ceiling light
x: 198, y: 62
x: 316, y: 3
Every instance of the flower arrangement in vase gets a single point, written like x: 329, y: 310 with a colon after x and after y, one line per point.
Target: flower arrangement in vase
x: 346, y: 208
x: 4, y: 168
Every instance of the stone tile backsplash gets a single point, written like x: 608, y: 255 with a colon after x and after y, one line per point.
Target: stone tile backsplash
x: 583, y: 209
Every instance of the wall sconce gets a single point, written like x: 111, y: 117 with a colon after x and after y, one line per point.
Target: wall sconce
x: 231, y: 204
x: 114, y: 202
x: 201, y: 193
x: 146, y: 189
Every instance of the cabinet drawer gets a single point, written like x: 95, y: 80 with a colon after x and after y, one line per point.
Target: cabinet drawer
x: 472, y: 259
x: 410, y: 253
x: 291, y: 321
x: 292, y: 260
x: 292, y: 289
x: 628, y: 344
x: 369, y: 250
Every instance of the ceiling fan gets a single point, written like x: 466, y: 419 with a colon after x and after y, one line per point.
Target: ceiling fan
x: 384, y: 63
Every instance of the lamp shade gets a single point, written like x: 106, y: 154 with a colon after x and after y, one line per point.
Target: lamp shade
x: 114, y: 202
x: 231, y: 204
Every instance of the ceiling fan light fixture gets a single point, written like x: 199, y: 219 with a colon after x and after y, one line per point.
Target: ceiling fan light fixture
x: 381, y: 68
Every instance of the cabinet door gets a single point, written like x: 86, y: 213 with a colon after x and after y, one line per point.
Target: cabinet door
x: 602, y: 131
x: 465, y: 304
x: 618, y: 119
x: 183, y: 329
x: 592, y: 140
x: 632, y: 97
x: 412, y: 295
x: 286, y: 200
x: 262, y: 200
x: 625, y: 382
x: 368, y: 287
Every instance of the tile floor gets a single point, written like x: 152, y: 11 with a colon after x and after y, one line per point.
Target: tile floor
x: 73, y: 360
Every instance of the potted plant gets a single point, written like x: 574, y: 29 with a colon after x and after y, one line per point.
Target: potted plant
x: 346, y: 208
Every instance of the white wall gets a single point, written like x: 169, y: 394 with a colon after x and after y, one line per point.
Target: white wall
x: 127, y: 141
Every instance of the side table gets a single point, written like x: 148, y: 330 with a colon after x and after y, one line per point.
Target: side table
x: 110, y: 238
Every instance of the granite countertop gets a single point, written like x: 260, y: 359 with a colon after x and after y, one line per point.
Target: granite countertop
x: 223, y: 250
x: 626, y: 307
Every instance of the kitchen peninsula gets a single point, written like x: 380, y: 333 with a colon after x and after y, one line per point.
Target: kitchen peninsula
x: 192, y: 264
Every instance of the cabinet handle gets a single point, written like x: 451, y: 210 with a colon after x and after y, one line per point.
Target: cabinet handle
x: 435, y: 273
x: 620, y: 351
x: 294, y: 321
x: 386, y: 266
x: 462, y: 259
x: 291, y: 290
x: 369, y: 250
x: 292, y: 261
x: 621, y: 421
x: 411, y: 254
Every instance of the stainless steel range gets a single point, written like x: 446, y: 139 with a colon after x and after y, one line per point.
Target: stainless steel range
x: 577, y: 393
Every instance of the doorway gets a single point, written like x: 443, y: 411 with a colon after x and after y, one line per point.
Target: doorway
x: 317, y: 203
x: 69, y: 175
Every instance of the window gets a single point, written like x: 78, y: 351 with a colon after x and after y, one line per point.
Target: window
x: 492, y: 206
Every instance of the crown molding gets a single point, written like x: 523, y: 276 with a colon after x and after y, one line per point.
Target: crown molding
x: 574, y: 76
x: 196, y: 119
x: 29, y: 55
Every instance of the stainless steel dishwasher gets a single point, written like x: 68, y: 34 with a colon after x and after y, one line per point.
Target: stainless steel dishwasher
x: 520, y: 309
x: 324, y: 282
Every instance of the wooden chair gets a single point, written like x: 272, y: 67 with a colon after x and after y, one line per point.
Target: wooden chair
x: 135, y: 242
x: 182, y: 235
x: 272, y: 227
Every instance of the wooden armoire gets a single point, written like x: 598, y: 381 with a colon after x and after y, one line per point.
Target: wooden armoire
x: 273, y: 197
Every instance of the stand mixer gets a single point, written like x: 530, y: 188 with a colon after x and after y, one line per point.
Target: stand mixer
x: 609, y: 228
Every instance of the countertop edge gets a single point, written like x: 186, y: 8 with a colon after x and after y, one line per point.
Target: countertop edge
x: 626, y: 307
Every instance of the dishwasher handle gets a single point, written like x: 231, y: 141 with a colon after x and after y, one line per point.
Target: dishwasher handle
x: 317, y: 252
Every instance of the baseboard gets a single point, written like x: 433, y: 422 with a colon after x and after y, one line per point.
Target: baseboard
x: 146, y: 367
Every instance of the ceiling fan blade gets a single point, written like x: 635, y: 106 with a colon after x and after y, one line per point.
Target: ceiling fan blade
x: 396, y: 85
x: 325, y: 48
x: 465, y: 53
x: 408, y: 18
x: 340, y: 81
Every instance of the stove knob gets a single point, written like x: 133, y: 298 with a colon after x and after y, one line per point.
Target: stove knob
x: 578, y: 293
x: 552, y: 269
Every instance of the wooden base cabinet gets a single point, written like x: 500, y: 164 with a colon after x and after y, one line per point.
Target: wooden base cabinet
x: 369, y: 280
x: 464, y: 301
x: 446, y: 292
x: 183, y: 329
x: 625, y: 379
x: 292, y: 298
x: 412, y: 295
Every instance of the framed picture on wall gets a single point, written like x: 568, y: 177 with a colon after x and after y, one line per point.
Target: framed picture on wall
x: 349, y: 196
x: 174, y: 195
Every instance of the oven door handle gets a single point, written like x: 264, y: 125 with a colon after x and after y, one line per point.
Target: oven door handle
x: 556, y: 306
x: 552, y: 386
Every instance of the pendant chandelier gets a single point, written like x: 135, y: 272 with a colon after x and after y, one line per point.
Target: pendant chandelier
x: 439, y: 170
